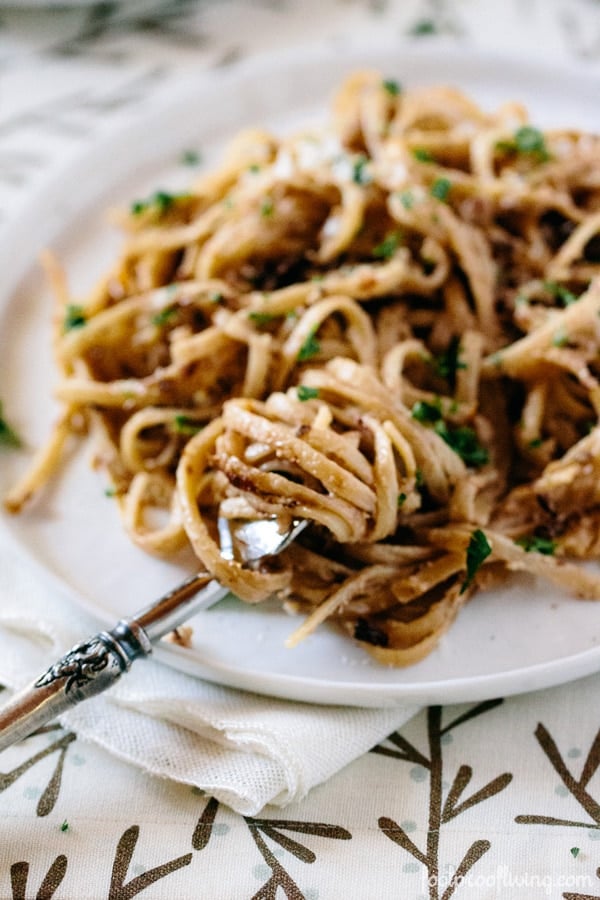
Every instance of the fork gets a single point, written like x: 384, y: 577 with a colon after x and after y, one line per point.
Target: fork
x: 95, y: 664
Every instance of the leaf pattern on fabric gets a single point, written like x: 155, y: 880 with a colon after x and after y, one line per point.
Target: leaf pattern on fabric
x: 576, y: 786
x: 442, y: 810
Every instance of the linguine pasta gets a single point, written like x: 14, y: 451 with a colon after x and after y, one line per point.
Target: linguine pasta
x: 390, y: 327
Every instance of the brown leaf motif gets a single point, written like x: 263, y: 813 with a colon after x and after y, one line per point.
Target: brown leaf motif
x: 441, y: 811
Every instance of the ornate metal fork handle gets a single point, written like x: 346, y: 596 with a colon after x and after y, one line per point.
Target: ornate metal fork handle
x: 95, y: 664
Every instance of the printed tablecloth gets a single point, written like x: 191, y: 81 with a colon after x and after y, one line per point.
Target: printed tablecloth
x: 484, y: 800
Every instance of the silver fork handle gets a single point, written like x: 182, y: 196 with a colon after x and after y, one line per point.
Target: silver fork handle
x: 95, y: 664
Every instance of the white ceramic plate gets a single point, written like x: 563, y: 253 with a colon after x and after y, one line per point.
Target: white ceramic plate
x: 519, y: 638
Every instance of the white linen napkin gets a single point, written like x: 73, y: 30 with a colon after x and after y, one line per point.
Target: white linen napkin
x: 246, y: 750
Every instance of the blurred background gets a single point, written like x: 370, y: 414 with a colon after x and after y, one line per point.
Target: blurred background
x: 68, y: 70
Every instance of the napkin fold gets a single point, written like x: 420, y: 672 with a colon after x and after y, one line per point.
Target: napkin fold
x: 246, y: 750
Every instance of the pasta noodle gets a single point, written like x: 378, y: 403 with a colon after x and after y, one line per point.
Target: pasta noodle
x: 388, y: 326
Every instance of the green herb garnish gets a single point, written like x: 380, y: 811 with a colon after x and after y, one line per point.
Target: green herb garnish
x: 186, y: 424
x: 388, y: 246
x: 560, y: 292
x: 465, y: 443
x: 304, y: 392
x: 360, y: 175
x: 423, y: 411
x: 574, y: 851
x: 74, y: 317
x: 440, y: 189
x: 477, y: 552
x: 392, y: 87
x: 528, y: 141
x: 446, y: 364
x: 64, y: 826
x: 160, y: 202
x: 267, y: 208
x: 8, y: 436
x: 463, y: 440
x: 191, y: 158
x: 401, y: 499
x: 533, y: 543
x: 310, y: 347
x: 423, y: 28
x: 422, y: 155
x: 535, y: 443
x: 261, y: 318
x: 407, y: 199
x: 164, y: 316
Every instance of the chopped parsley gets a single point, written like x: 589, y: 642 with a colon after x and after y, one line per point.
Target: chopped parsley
x: 267, y: 208
x: 164, y: 316
x: 392, y: 87
x: 74, y: 317
x: 254, y: 168
x: 423, y: 411
x: 446, y: 364
x: 191, y: 158
x: 261, y: 318
x: 186, y: 424
x: 110, y: 492
x: 527, y: 141
x: 533, y: 543
x: 310, y: 347
x: 423, y: 28
x: 407, y: 199
x: 464, y: 442
x: 560, y: 292
x: 64, y: 826
x: 530, y: 140
x: 477, y: 552
x: 388, y: 245
x: 217, y: 297
x: 360, y: 175
x: 574, y: 851
x: 304, y: 392
x: 8, y: 437
x: 422, y: 155
x: 401, y: 499
x: 159, y: 201
x: 440, y: 189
